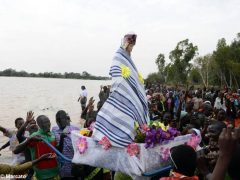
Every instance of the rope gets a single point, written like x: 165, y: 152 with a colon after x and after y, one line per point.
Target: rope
x: 147, y: 174
x: 56, y: 151
x: 158, y: 171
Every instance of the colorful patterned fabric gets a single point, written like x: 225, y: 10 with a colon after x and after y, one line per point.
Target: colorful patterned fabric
x: 126, y: 104
x: 65, y: 170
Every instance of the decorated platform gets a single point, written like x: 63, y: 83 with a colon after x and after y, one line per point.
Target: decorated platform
x: 134, y: 160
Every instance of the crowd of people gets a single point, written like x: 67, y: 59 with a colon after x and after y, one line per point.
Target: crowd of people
x: 32, y: 156
x: 210, y: 113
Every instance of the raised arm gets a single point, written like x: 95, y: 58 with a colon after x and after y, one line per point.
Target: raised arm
x: 21, y: 147
x: 90, y: 103
x: 22, y: 129
x: 22, y: 168
x: 5, y: 145
x: 227, y: 145
x: 3, y: 130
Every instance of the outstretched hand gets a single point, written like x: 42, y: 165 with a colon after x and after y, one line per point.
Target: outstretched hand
x: 30, y: 117
x: 91, y: 102
x: 227, y: 145
x: 227, y: 141
x: 48, y: 156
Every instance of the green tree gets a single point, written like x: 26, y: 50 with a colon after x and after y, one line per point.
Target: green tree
x: 221, y: 57
x: 194, y: 76
x: 169, y: 71
x: 155, y: 78
x: 8, y: 72
x: 234, y: 63
x: 202, y: 65
x: 180, y: 58
x: 160, y: 62
x: 71, y: 75
x: 85, y: 74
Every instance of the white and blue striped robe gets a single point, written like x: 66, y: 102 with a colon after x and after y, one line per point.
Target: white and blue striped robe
x: 126, y: 104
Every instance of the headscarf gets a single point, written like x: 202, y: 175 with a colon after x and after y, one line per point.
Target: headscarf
x: 128, y: 39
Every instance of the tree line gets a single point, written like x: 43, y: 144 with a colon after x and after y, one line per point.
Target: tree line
x: 219, y: 68
x: 66, y: 75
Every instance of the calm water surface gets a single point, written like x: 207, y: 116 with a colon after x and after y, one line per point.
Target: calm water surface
x: 43, y: 96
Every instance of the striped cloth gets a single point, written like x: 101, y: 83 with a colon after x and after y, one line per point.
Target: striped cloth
x: 126, y: 104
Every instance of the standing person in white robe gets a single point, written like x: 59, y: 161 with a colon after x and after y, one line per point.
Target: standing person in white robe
x: 127, y: 102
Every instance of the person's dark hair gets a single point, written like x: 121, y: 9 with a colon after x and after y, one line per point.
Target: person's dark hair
x: 184, y: 159
x: 40, y: 118
x: 18, y: 119
x: 195, y: 121
x: 212, y: 90
x: 83, y: 87
x: 105, y: 88
x: 61, y: 114
x: 167, y: 117
x: 207, y: 109
x: 219, y: 125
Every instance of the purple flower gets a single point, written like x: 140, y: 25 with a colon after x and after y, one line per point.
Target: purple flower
x: 158, y: 135
x: 173, y: 131
x: 149, y: 140
x: 166, y: 136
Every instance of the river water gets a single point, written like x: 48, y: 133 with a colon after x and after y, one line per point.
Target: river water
x: 44, y: 96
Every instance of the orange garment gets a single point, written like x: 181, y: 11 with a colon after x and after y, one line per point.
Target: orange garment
x: 178, y: 176
x: 237, y: 122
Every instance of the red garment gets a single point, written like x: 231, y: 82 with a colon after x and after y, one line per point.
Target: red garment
x: 40, y: 149
x: 237, y: 122
x: 178, y: 176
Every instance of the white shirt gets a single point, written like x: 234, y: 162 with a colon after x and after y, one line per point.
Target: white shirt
x: 218, y: 104
x: 84, y: 93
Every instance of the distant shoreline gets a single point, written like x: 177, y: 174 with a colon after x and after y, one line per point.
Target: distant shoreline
x: 54, y: 78
x: 67, y: 75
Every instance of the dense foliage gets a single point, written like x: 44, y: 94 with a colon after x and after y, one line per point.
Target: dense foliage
x: 66, y: 75
x: 219, y: 68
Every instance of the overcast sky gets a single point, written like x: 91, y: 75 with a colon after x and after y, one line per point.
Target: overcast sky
x: 82, y: 35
